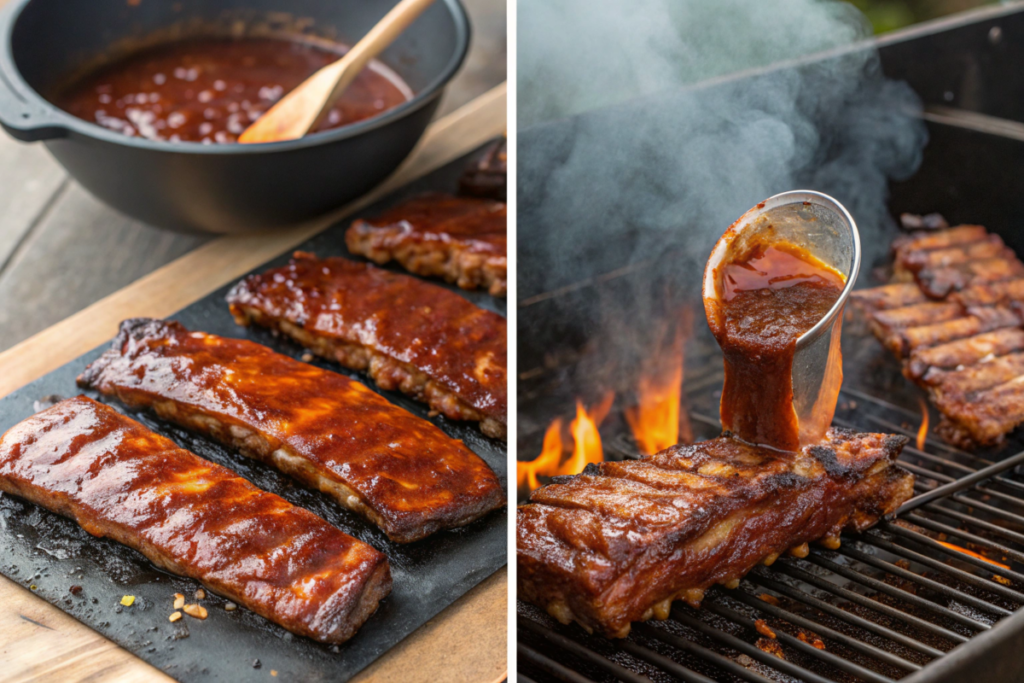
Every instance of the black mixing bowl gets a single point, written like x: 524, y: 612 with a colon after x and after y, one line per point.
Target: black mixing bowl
x: 228, y: 188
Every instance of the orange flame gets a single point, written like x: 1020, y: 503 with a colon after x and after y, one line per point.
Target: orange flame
x: 658, y: 420
x: 922, y: 432
x: 586, y: 446
x: 965, y: 551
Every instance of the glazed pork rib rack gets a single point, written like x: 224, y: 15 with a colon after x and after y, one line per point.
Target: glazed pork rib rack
x: 408, y: 335
x: 461, y: 239
x: 953, y: 317
x: 194, y: 518
x: 326, y: 430
x: 622, y: 541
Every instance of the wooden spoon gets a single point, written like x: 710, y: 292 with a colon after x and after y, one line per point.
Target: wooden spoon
x: 304, y: 108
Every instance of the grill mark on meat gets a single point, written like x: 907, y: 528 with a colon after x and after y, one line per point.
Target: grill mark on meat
x: 619, y: 543
x: 408, y: 335
x: 965, y: 351
x: 896, y: 295
x: 460, y: 239
x: 991, y: 246
x: 324, y: 429
x: 117, y: 479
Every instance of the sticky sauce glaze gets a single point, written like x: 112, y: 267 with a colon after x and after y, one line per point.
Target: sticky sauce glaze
x: 403, y: 468
x: 210, y: 90
x: 116, y: 478
x: 770, y: 295
x: 438, y: 332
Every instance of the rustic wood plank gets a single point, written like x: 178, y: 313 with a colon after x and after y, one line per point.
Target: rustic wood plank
x: 466, y: 642
x: 29, y: 180
x: 81, y: 251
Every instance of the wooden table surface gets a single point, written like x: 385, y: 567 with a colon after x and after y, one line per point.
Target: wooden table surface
x: 71, y: 269
x: 61, y: 249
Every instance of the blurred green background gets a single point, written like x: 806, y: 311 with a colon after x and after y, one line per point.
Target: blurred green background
x: 887, y: 15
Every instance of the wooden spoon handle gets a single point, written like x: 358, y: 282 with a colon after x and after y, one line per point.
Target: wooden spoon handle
x: 304, y: 108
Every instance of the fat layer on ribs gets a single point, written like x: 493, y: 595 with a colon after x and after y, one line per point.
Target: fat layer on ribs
x: 117, y: 479
x: 461, y: 239
x: 408, y: 335
x: 621, y: 541
x: 326, y: 430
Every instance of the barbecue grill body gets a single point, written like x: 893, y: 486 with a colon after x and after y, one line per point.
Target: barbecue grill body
x: 965, y: 69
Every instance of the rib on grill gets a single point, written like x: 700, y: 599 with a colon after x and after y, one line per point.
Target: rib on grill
x: 621, y: 541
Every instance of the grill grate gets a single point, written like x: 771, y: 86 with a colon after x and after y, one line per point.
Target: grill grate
x: 882, y: 606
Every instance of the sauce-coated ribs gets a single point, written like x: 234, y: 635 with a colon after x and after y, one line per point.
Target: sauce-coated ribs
x: 84, y: 460
x: 326, y: 430
x: 621, y: 541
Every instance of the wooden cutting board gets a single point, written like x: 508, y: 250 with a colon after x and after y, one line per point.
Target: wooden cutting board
x: 467, y: 642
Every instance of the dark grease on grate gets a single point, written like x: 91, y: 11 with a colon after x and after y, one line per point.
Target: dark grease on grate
x: 52, y: 554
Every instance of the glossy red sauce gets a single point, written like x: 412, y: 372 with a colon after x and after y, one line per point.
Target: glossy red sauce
x: 770, y: 296
x: 210, y: 90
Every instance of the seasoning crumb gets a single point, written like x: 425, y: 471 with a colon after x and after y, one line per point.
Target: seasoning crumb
x: 902, y: 564
x: 179, y: 601
x: 75, y: 590
x: 273, y: 673
x: 1002, y: 579
x: 32, y: 587
x: 174, y: 617
x: 197, y: 611
x: 307, y: 357
x: 812, y: 640
x: 744, y: 660
x: 128, y: 600
x: 230, y: 607
x: 762, y: 627
x: 771, y: 647
x: 200, y: 594
x: 770, y: 599
x: 256, y: 664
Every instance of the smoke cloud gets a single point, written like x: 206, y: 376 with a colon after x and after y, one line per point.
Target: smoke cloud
x: 629, y: 155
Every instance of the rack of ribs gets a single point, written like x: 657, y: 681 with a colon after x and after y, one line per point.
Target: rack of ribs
x: 621, y: 541
x: 487, y: 176
x: 408, y: 335
x: 115, y: 478
x: 953, y: 316
x: 460, y: 239
x: 326, y: 430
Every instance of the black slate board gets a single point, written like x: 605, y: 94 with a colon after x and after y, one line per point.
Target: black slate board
x: 50, y: 554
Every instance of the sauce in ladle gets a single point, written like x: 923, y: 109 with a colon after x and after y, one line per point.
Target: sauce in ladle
x: 768, y: 296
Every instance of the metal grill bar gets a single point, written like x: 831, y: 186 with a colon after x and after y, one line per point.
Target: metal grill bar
x: 861, y: 622
x: 939, y: 588
x: 799, y: 645
x: 584, y: 653
x: 966, y: 577
x: 824, y: 631
x: 1008, y: 534
x: 685, y: 645
x: 874, y: 605
x: 962, y: 483
x: 935, y: 545
x: 528, y: 654
x: 897, y: 593
x: 967, y: 536
x: 746, y: 648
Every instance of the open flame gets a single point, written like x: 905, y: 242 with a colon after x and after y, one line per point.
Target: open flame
x: 658, y: 420
x: 922, y: 432
x: 973, y: 554
x: 583, y: 442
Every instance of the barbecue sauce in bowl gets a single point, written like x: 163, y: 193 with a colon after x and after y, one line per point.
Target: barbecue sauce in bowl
x: 768, y: 296
x: 209, y: 90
